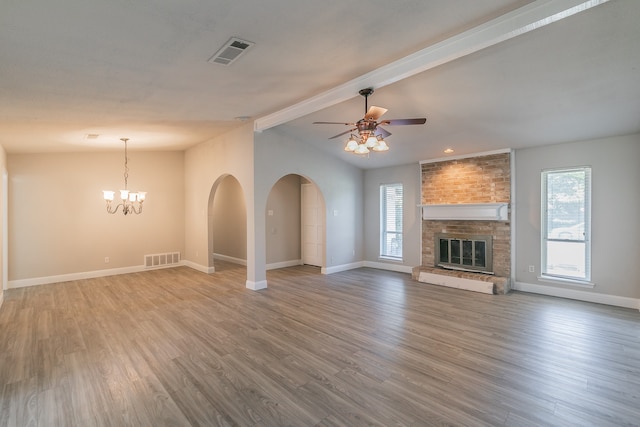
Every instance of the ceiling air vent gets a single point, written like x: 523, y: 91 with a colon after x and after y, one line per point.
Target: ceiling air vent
x: 230, y: 51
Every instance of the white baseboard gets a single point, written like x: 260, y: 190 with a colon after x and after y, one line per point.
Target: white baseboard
x: 579, y: 295
x: 35, y: 281
x: 284, y: 264
x: 256, y: 286
x: 343, y: 267
x: 371, y: 264
x: 400, y: 268
x: 199, y: 267
x: 231, y: 259
x: 22, y: 283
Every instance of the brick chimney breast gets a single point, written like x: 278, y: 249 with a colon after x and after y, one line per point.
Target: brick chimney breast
x: 481, y: 179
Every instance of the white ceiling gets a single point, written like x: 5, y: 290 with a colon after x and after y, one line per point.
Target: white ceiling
x: 139, y: 70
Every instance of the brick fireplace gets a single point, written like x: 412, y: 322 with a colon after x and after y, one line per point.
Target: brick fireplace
x: 479, y: 183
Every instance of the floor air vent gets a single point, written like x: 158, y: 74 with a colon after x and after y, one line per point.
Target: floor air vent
x: 160, y: 260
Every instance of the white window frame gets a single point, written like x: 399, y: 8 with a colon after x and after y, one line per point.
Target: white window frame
x: 548, y: 237
x: 387, y: 252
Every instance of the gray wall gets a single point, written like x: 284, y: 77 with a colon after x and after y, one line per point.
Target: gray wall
x: 3, y: 222
x: 409, y: 177
x: 615, y: 207
x: 207, y: 165
x: 340, y: 183
x: 283, y: 226
x: 229, y: 222
x: 57, y: 224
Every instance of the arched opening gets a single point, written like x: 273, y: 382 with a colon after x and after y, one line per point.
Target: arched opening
x: 295, y: 223
x: 227, y: 224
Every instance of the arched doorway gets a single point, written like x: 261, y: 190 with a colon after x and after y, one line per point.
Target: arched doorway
x: 227, y: 223
x: 295, y: 223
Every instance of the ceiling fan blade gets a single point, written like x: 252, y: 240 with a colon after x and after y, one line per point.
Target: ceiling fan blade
x: 382, y: 131
x: 334, y: 123
x: 343, y: 133
x: 399, y: 122
x: 375, y: 112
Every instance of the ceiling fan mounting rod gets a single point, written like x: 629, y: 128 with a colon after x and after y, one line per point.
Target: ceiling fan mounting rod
x: 366, y: 92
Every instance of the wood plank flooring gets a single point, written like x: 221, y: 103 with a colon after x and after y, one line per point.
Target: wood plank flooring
x: 176, y: 347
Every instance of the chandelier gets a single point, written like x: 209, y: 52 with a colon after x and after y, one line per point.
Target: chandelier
x: 131, y: 201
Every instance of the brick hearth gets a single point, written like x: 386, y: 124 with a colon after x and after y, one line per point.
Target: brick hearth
x: 500, y: 284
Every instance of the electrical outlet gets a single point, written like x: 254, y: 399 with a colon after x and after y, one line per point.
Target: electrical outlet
x: 532, y: 269
x: 106, y: 260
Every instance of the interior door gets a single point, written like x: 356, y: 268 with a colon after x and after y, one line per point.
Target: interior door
x: 312, y: 226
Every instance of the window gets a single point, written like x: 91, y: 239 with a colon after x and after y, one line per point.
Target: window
x: 391, y: 221
x: 566, y: 223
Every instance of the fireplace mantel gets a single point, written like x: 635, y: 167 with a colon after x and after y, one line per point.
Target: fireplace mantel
x: 467, y: 211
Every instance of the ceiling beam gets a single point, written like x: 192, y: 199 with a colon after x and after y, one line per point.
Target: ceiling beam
x: 520, y: 21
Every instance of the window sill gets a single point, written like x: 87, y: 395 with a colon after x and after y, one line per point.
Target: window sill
x: 567, y: 281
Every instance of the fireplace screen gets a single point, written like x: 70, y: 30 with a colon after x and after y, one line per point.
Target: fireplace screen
x: 464, y: 252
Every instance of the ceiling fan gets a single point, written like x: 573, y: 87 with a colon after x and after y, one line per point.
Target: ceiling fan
x: 371, y: 134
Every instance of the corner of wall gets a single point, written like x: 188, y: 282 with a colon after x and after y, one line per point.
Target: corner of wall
x: 3, y: 224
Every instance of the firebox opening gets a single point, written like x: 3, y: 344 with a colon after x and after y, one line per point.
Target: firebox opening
x: 464, y: 252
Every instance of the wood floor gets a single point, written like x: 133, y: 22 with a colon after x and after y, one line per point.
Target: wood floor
x: 177, y: 347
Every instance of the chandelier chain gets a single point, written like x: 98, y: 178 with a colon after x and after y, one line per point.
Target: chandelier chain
x: 126, y: 163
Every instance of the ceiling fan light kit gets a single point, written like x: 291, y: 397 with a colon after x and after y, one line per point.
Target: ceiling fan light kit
x: 370, y: 134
